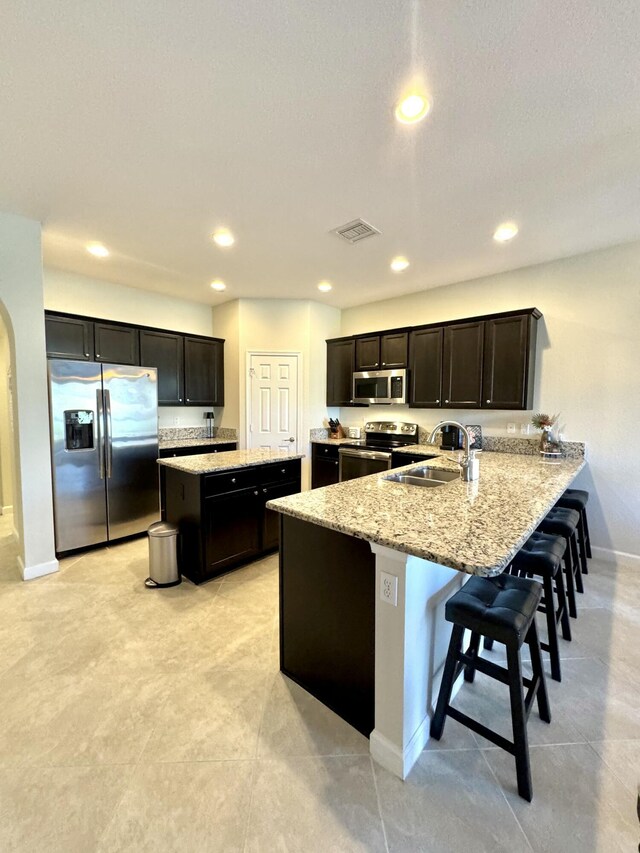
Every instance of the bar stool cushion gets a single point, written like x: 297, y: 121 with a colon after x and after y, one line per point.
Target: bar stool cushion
x: 574, y: 499
x: 541, y: 554
x: 560, y: 521
x: 501, y: 607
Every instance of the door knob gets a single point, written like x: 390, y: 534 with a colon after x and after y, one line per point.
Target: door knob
x: 290, y: 439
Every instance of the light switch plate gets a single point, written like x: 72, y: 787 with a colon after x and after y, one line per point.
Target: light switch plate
x: 511, y: 427
x: 389, y: 588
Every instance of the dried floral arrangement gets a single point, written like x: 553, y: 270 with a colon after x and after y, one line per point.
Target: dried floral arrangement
x: 540, y: 421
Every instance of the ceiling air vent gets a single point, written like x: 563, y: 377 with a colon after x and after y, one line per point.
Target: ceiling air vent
x: 356, y: 231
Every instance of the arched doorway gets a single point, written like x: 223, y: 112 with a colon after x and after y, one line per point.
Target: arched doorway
x: 8, y: 528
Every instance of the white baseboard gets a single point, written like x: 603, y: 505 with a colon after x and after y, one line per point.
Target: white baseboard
x: 621, y: 558
x: 30, y: 573
x: 15, y: 535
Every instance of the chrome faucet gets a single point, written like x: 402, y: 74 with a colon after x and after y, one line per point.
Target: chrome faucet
x: 469, y: 464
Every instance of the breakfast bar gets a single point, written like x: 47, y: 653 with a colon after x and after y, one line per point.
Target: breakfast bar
x: 366, y: 567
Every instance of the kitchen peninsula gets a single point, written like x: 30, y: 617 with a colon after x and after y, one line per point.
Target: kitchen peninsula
x: 218, y: 501
x: 366, y: 567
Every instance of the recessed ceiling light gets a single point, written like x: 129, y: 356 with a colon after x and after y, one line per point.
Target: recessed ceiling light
x: 412, y: 108
x: 399, y: 264
x: 218, y: 285
x: 504, y: 232
x: 223, y: 238
x: 325, y: 286
x: 98, y: 250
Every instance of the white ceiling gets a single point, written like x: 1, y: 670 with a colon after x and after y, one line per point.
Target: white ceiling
x: 144, y: 125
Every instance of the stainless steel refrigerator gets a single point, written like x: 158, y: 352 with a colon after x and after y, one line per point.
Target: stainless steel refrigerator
x: 104, y: 434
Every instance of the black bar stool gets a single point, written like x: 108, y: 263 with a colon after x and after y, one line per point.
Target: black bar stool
x: 564, y: 522
x: 577, y: 499
x: 542, y: 555
x: 503, y: 609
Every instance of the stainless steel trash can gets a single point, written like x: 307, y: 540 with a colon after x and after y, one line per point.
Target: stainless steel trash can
x: 163, y: 555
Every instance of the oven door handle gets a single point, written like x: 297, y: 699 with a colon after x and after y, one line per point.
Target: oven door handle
x: 364, y: 454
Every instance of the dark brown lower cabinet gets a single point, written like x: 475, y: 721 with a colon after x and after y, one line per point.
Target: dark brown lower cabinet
x: 324, y: 465
x: 222, y: 517
x: 169, y: 452
x: 327, y: 618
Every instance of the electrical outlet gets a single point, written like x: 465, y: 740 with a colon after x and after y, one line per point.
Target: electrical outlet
x: 176, y: 420
x: 511, y: 427
x: 389, y: 588
x: 524, y: 429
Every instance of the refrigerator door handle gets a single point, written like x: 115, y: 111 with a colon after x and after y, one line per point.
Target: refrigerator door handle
x: 109, y: 439
x: 100, y: 431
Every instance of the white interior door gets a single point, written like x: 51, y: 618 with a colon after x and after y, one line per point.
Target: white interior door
x: 273, y: 415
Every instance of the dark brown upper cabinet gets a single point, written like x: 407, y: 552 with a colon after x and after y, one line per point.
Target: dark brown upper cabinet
x: 69, y: 337
x: 116, y: 344
x: 425, y: 367
x: 393, y: 350
x: 382, y: 352
x: 340, y: 367
x: 203, y: 372
x: 165, y: 350
x: 509, y: 361
x: 368, y: 353
x: 462, y: 365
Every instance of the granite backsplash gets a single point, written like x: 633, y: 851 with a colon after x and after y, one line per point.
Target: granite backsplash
x: 183, y: 433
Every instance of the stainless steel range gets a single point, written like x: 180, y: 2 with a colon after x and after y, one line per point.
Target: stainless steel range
x: 374, y: 453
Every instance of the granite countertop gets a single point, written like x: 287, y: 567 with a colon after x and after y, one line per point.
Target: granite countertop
x: 338, y: 441
x: 175, y: 443
x: 215, y: 463
x: 474, y: 527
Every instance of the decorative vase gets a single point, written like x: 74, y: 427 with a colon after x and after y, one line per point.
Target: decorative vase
x: 549, y: 442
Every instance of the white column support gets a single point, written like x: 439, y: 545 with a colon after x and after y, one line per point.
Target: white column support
x: 411, y: 645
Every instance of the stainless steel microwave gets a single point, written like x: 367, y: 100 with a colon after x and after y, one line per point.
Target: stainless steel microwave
x: 380, y: 386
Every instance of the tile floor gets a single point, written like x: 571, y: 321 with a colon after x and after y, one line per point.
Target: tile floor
x: 136, y: 720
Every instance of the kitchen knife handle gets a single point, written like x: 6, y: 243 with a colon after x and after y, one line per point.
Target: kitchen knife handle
x: 100, y: 431
x: 108, y: 436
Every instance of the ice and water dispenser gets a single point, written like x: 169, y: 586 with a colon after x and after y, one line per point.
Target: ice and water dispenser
x: 78, y: 428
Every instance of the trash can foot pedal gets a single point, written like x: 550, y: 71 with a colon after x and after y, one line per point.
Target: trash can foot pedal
x: 151, y: 584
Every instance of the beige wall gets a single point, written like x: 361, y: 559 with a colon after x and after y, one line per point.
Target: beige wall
x: 6, y: 424
x: 277, y: 325
x: 76, y: 294
x: 588, y: 367
x: 22, y: 307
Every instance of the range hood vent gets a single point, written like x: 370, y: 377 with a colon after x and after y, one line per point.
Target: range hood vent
x: 355, y: 231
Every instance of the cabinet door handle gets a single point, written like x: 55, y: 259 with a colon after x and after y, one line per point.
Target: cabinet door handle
x: 283, y: 470
x: 256, y: 492
x: 188, y: 400
x: 335, y: 463
x: 384, y: 363
x: 437, y: 401
x: 179, y: 399
x: 233, y: 479
x: 488, y: 401
x: 265, y: 491
x: 97, y: 355
x: 446, y: 401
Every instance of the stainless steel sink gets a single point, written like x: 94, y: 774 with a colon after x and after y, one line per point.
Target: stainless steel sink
x: 428, y: 477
